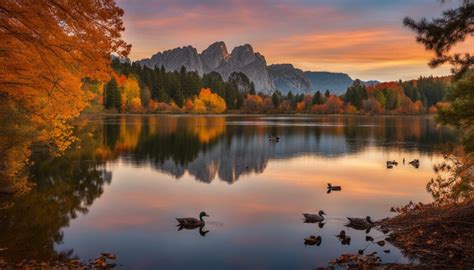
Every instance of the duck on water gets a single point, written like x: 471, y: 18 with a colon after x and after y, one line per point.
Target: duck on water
x: 314, y: 218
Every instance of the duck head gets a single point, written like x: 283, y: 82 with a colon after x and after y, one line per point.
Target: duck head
x: 203, y: 214
x: 369, y: 220
x: 321, y: 213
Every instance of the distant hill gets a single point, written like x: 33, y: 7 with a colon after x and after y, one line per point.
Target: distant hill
x: 336, y: 83
x: 286, y: 78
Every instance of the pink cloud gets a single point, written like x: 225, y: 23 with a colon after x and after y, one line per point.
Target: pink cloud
x: 322, y: 35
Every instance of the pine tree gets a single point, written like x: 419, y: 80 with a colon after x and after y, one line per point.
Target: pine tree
x: 317, y: 98
x: 252, y: 89
x: 110, y: 93
x: 276, y: 99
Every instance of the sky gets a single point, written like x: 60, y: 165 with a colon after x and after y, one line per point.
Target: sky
x: 364, y: 38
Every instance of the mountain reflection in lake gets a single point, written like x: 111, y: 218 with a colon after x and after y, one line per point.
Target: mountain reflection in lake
x: 122, y: 186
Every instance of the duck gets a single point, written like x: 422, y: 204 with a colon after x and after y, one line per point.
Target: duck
x: 415, y: 163
x: 313, y: 240
x: 392, y: 162
x: 360, y: 223
x: 334, y: 188
x: 346, y: 241
x: 190, y: 222
x: 342, y: 235
x: 313, y: 218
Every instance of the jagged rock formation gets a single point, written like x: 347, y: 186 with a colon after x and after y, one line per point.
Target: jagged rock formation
x: 216, y: 58
x: 286, y: 78
x: 175, y: 59
x: 337, y: 83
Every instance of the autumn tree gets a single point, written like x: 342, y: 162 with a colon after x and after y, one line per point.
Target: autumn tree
x: 209, y: 102
x: 47, y: 48
x: 130, y: 95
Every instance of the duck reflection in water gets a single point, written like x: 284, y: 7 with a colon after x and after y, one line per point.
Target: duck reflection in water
x: 333, y: 188
x: 361, y: 224
x: 191, y: 223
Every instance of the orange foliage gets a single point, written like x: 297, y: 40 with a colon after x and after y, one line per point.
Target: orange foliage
x: 394, y: 86
x: 188, y: 105
x: 350, y: 109
x: 372, y: 106
x: 442, y: 105
x: 318, y: 108
x: 334, y: 105
x: 253, y: 104
x: 418, y: 106
x: 152, y: 106
x: 300, y: 106
x: 47, y: 48
x: 432, y: 109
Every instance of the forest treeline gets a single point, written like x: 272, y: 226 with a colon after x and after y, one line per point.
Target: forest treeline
x: 136, y: 89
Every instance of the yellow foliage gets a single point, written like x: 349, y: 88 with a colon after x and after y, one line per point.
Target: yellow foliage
x: 208, y: 102
x: 130, y: 92
x: 136, y: 105
x: 199, y: 106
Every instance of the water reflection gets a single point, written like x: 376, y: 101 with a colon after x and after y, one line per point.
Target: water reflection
x: 65, y: 188
x: 130, y: 162
x: 226, y: 148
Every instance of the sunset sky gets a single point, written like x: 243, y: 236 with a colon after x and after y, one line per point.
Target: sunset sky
x: 364, y: 38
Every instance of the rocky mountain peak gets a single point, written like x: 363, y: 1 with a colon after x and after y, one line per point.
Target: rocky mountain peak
x: 243, y: 55
x: 213, y: 56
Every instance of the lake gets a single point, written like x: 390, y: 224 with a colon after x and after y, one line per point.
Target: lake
x: 120, y: 188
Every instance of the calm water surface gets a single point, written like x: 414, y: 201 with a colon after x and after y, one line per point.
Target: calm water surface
x: 122, y: 186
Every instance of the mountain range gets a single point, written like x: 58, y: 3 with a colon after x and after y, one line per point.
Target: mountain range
x: 267, y: 78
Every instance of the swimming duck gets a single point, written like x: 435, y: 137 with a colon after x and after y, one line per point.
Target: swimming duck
x: 313, y: 240
x: 190, y: 222
x: 392, y: 162
x: 415, y: 163
x: 346, y: 241
x: 312, y: 218
x: 334, y: 188
x: 342, y: 235
x: 360, y: 223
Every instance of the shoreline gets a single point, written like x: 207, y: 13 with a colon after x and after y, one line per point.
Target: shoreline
x: 251, y: 114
